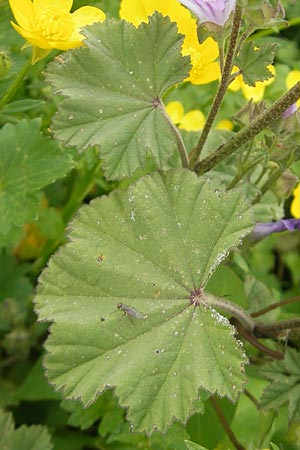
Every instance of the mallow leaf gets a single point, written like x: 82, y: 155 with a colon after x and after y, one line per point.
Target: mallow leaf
x: 254, y: 62
x: 113, y: 87
x: 285, y: 384
x: 28, y: 162
x: 125, y: 295
x: 35, y: 437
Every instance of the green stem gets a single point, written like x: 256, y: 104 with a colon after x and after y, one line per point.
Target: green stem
x: 268, y: 184
x: 15, y: 84
x: 226, y: 74
x: 242, y: 173
x: 275, y: 305
x: 225, y: 423
x: 245, y: 134
x: 244, y: 37
x: 179, y: 141
x: 252, y: 398
x: 271, y: 181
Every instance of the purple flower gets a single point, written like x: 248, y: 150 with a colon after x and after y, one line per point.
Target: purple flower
x: 290, y: 111
x: 262, y: 230
x: 216, y: 11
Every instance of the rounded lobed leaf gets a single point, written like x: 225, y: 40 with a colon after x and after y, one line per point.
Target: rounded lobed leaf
x: 113, y: 88
x: 120, y: 294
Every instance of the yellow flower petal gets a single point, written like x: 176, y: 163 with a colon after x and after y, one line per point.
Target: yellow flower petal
x: 270, y: 80
x: 85, y: 16
x: 65, y: 45
x: 295, y: 207
x: 254, y: 93
x: 134, y: 11
x: 292, y: 78
x: 237, y: 83
x: 138, y: 11
x: 225, y: 124
x: 175, y: 111
x: 63, y: 5
x: 194, y: 120
x: 204, y: 73
x: 209, y: 49
x: 296, y: 192
x: 48, y: 24
x: 34, y: 40
x: 23, y: 12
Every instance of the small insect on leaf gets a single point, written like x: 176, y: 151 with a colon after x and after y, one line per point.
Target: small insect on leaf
x: 128, y: 311
x: 100, y: 258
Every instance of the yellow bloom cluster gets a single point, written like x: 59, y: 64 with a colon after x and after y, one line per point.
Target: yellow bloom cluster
x: 295, y: 205
x: 254, y: 93
x: 204, y: 67
x: 48, y: 24
x: 193, y: 120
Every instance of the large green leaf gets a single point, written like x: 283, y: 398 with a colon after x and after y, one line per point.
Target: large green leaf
x: 113, y: 88
x: 284, y: 386
x: 28, y: 162
x: 150, y: 249
x: 26, y: 438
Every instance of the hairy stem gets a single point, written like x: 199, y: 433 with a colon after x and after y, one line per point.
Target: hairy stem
x: 225, y: 423
x: 274, y: 329
x: 225, y: 78
x: 245, y: 134
x: 252, y: 339
x: 235, y: 310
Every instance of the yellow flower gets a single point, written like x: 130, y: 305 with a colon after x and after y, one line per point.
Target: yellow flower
x: 254, y: 93
x: 193, y: 120
x: 295, y: 205
x: 48, y: 24
x: 204, y: 67
x: 237, y: 83
x: 292, y: 78
x: 176, y: 111
x: 225, y: 124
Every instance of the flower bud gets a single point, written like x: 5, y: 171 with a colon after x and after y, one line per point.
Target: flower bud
x: 289, y: 111
x: 267, y: 14
x: 215, y: 11
x: 262, y: 230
